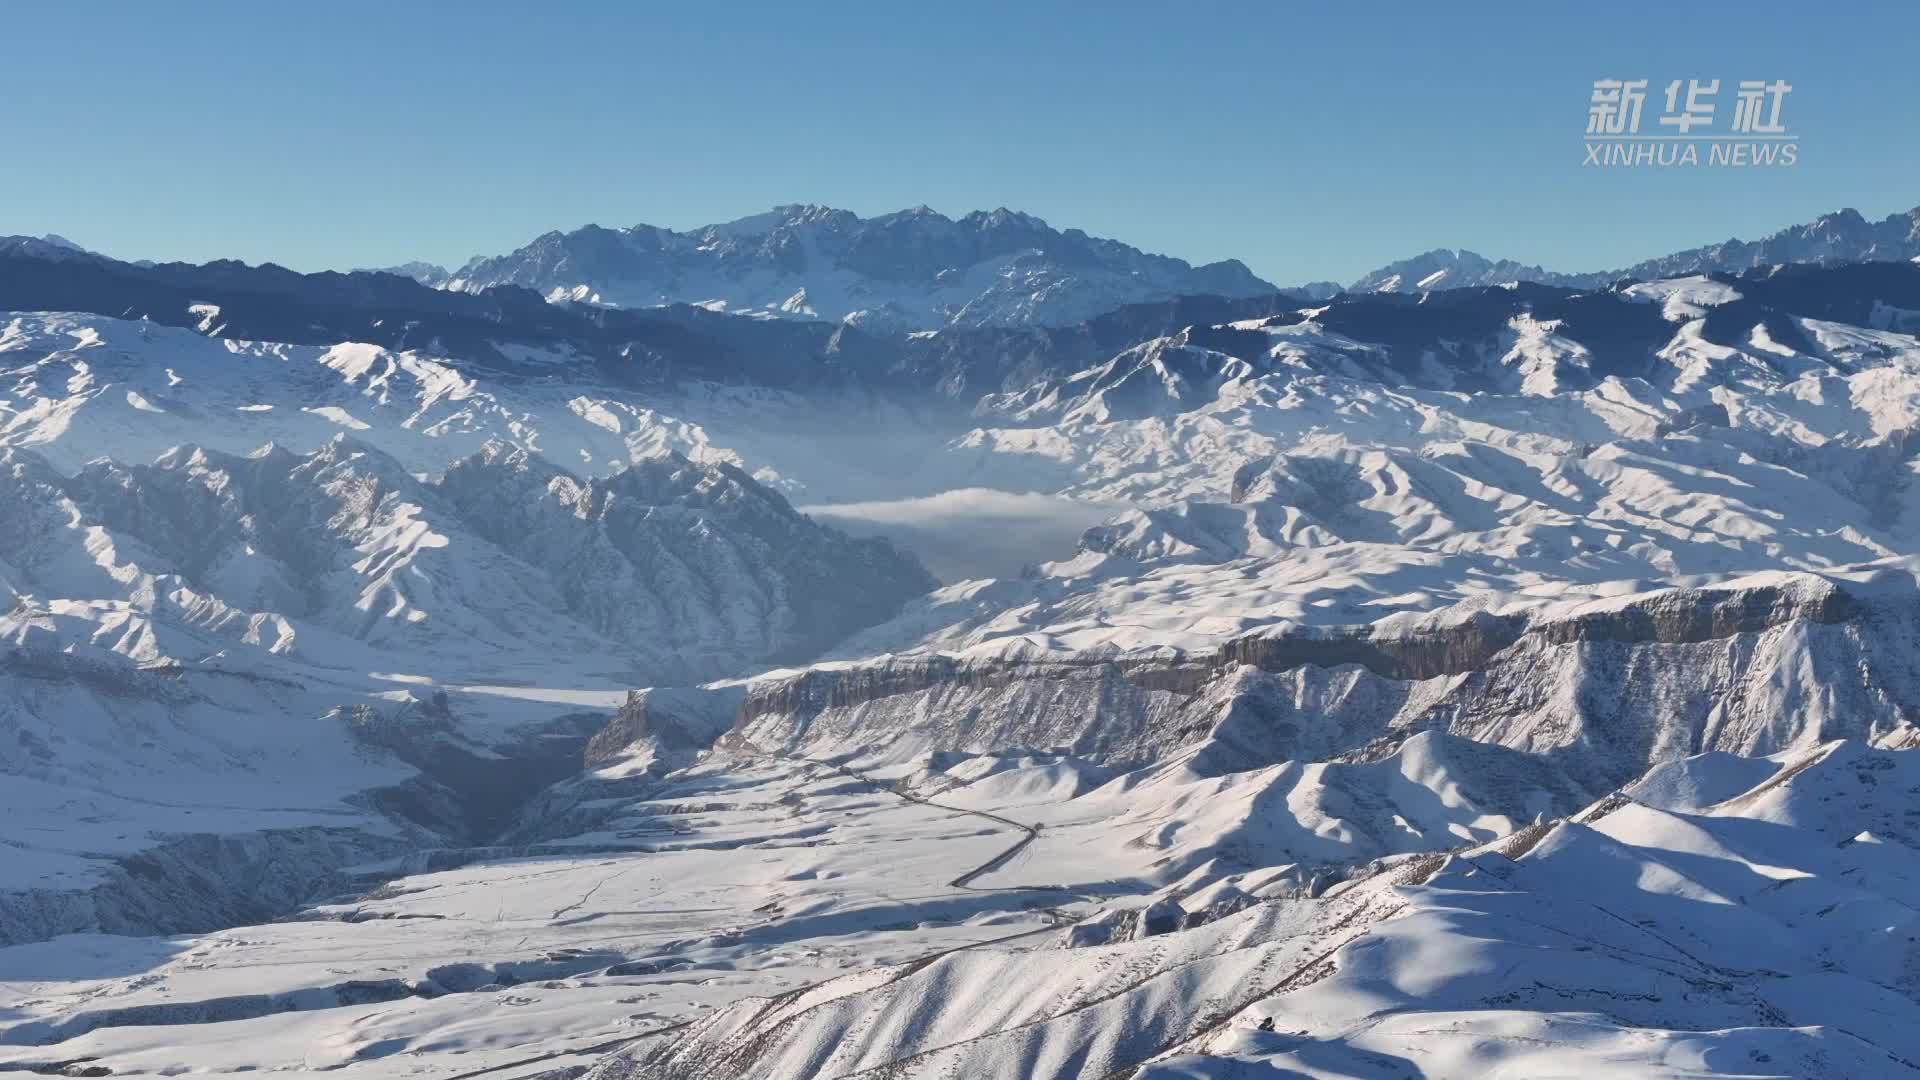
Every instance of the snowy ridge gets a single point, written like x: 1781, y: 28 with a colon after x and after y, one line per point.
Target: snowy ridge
x: 277, y: 630
x: 1840, y: 237
x: 1508, y: 678
x: 1654, y: 941
x: 345, y: 541
x: 915, y: 269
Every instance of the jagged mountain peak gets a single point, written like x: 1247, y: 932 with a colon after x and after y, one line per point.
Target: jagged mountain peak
x: 335, y: 451
x: 49, y: 246
x: 658, y: 474
x: 505, y: 454
x: 1447, y: 268
x: 426, y: 273
x: 915, y: 268
x: 1000, y: 217
x: 1839, y: 236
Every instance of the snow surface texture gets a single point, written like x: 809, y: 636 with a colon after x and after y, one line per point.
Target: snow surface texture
x: 1446, y: 707
x: 1756, y: 936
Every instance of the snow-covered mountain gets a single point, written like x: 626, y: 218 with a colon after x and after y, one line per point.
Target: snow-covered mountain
x: 396, y: 680
x: 429, y: 274
x: 1338, y: 780
x: 48, y: 246
x: 914, y: 269
x: 1722, y: 918
x: 693, y: 571
x: 1841, y: 237
x: 917, y: 269
x: 257, y: 632
x: 1443, y: 268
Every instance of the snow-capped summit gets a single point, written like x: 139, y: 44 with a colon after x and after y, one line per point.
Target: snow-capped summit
x: 1840, y: 237
x: 1443, y: 268
x: 49, y: 246
x: 919, y: 267
x: 426, y: 273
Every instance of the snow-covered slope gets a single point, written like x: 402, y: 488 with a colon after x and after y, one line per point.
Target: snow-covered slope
x: 263, y: 654
x: 77, y: 387
x: 1501, y: 678
x: 689, y: 571
x: 1312, y: 479
x: 913, y: 269
x: 1768, y: 934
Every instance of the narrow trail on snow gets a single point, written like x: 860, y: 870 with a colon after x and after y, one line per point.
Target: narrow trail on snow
x: 1028, y: 834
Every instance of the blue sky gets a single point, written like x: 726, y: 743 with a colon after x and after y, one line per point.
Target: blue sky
x: 1308, y: 141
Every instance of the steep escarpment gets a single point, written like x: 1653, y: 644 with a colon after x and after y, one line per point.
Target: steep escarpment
x: 1670, y: 617
x: 210, y: 866
x: 675, y: 721
x: 1106, y: 710
x: 197, y: 883
x: 1604, y: 690
x: 466, y: 791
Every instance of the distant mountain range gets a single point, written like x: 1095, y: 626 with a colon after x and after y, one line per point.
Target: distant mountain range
x: 512, y: 329
x: 915, y: 269
x: 1839, y: 237
x: 918, y: 269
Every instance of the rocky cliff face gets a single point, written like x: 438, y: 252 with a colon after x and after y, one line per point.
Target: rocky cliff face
x: 1604, y: 693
